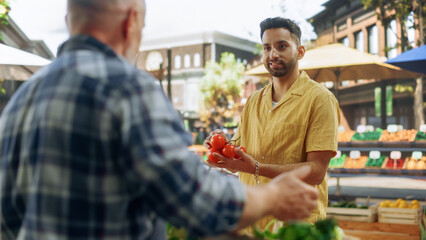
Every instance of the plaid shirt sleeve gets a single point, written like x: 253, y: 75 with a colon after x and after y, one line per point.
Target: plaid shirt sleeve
x: 180, y: 188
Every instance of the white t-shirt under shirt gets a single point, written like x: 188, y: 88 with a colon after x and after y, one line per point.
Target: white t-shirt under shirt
x: 274, y: 104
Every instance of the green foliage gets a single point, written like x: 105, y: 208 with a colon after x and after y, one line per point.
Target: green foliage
x: 4, y: 11
x: 221, y: 88
x: 2, y: 90
x: 259, y: 49
x: 422, y: 225
x: 401, y: 88
x: 231, y: 124
x: 326, y: 229
x: 175, y: 233
x: 400, y: 10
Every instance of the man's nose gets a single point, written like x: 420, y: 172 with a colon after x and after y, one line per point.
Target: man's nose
x: 273, y: 53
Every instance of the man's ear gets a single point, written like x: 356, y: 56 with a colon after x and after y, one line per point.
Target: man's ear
x: 300, y: 52
x: 128, y: 23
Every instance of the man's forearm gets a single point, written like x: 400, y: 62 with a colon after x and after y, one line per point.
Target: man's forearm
x: 257, y: 206
x: 273, y: 170
x: 286, y: 197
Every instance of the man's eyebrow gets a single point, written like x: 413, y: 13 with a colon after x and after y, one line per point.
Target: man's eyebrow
x: 279, y: 42
x: 283, y: 41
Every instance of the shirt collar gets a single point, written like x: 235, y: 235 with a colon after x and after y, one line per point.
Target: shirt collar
x: 85, y: 42
x: 298, y: 87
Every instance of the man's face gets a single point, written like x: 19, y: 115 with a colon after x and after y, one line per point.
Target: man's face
x: 280, y: 51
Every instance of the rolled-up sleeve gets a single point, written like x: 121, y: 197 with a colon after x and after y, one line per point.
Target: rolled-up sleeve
x: 322, y: 131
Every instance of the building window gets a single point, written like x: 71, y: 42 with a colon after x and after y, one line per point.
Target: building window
x: 187, y: 60
x: 391, y: 40
x: 411, y: 33
x: 197, y: 60
x: 238, y: 60
x: 359, y: 41
x: 245, y: 62
x: 344, y: 41
x: 373, y: 40
x: 178, y: 60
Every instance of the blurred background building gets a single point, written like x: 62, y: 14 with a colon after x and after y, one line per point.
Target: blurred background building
x: 178, y: 63
x: 353, y: 25
x: 12, y: 36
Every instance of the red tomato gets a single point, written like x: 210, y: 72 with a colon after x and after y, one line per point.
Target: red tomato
x: 218, y: 141
x: 228, y: 151
x: 244, y: 150
x: 210, y: 155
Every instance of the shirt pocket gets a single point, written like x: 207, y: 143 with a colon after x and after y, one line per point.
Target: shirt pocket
x: 289, y: 142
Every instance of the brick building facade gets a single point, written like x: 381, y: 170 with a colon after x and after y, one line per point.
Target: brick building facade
x: 348, y: 22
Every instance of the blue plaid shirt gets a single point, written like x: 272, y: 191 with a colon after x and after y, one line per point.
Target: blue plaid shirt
x: 91, y: 148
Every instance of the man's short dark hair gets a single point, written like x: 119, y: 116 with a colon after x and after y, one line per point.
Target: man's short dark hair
x: 279, y: 22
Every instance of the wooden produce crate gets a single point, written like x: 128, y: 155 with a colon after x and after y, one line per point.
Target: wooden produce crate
x: 366, y: 136
x: 380, y: 231
x: 345, y: 136
x: 420, y: 137
x: 354, y: 214
x: 419, y: 164
x: 400, y: 215
x: 386, y: 164
x: 358, y: 163
x: 377, y: 163
x: 400, y: 136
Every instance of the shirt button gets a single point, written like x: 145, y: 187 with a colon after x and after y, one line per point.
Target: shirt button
x: 269, y: 110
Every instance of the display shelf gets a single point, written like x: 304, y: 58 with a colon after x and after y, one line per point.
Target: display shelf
x: 361, y: 172
x: 383, y: 146
x: 351, y: 172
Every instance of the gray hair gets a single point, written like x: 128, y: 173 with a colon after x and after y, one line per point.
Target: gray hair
x: 100, y: 13
x: 97, y: 5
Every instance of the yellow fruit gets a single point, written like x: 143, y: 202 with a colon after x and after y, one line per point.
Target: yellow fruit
x: 411, y: 164
x: 414, y: 202
x: 420, y: 165
x: 414, y: 206
x: 399, y: 200
x: 393, y: 205
x: 403, y: 205
x: 384, y: 204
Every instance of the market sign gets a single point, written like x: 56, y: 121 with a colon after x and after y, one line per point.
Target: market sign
x: 395, y: 155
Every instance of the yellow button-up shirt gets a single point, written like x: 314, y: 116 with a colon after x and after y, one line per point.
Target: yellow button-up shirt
x: 304, y: 120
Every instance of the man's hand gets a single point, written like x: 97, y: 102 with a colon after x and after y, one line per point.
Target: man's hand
x: 245, y: 164
x: 291, y: 197
x: 286, y: 197
x: 207, y: 144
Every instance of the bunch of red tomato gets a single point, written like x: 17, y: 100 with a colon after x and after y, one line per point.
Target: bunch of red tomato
x: 218, y: 144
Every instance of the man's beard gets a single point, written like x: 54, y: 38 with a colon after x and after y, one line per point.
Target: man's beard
x: 286, y: 68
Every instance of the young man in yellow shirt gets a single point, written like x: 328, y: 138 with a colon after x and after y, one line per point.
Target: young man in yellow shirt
x: 287, y: 124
